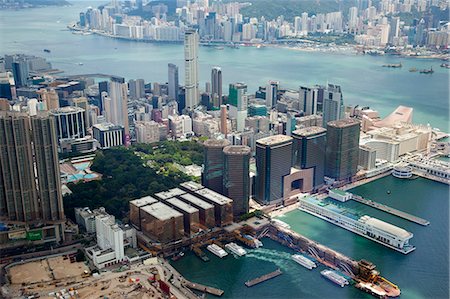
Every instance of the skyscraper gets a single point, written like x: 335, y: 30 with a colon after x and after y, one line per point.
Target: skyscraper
x: 70, y: 122
x: 342, y: 150
x: 272, y: 93
x: 216, y: 83
x: 308, y: 100
x: 236, y: 177
x: 333, y: 103
x: 238, y: 104
x: 273, y: 163
x: 212, y: 175
x: 223, y: 120
x: 173, y: 82
x: 21, y: 72
x: 117, y: 91
x: 191, y: 68
x: 30, y: 187
x: 136, y: 88
x: 308, y: 151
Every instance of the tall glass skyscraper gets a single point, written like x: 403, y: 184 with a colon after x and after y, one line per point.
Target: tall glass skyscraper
x: 173, y: 82
x: 191, y: 40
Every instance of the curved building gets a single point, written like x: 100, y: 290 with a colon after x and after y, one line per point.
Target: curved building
x: 69, y: 122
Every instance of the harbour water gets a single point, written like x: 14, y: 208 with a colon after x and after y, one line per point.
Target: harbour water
x: 420, y: 274
x: 363, y: 79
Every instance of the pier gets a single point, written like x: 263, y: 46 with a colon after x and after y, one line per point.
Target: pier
x: 263, y: 278
x: 390, y: 210
x: 204, y: 288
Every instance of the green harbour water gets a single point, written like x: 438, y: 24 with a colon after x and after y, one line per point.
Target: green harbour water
x: 420, y: 274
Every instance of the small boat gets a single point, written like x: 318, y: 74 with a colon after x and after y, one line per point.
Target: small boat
x: 413, y: 70
x: 388, y: 192
x: 80, y: 63
x: 446, y: 65
x: 427, y: 71
x: 393, y: 65
x: 47, y: 51
x: 218, y: 48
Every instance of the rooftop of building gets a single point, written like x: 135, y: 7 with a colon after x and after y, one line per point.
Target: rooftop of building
x: 309, y: 131
x: 66, y: 109
x: 214, y: 196
x: 387, y: 227
x: 182, y: 205
x: 241, y: 150
x: 192, y: 186
x: 169, y: 193
x: 161, y: 211
x: 147, y: 200
x: 343, y: 123
x: 367, y: 148
x: 216, y: 143
x: 107, y: 127
x: 197, y: 201
x: 274, y: 140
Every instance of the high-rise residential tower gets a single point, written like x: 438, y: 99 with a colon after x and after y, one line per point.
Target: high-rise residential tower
x: 236, y: 177
x: 273, y: 163
x: 191, y: 40
x: 308, y: 100
x: 342, y: 150
x: 272, y: 93
x: 117, y: 91
x: 308, y: 151
x: 212, y: 175
x: 173, y: 82
x: 30, y: 186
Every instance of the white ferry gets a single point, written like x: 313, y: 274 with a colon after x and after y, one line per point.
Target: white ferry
x: 236, y: 249
x: 371, y: 228
x: 281, y: 223
x: 217, y: 250
x: 304, y: 261
x: 334, y: 277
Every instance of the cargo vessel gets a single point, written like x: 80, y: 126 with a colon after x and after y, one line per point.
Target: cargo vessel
x: 217, y: 250
x: 334, y: 277
x: 304, y: 261
x: 236, y: 249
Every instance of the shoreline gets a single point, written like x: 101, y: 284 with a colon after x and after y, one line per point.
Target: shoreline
x: 353, y: 50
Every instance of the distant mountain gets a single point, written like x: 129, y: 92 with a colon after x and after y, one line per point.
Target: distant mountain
x: 18, y: 4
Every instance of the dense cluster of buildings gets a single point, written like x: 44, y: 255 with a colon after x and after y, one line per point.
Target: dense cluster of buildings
x: 372, y: 24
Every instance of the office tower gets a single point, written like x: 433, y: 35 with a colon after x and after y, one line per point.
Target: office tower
x: 118, y: 115
x: 108, y: 135
x: 272, y: 93
x: 136, y: 88
x: 70, y: 122
x: 191, y: 68
x: 212, y: 176
x: 309, y: 146
x: 333, y: 104
x: 342, y: 150
x: 273, y: 163
x: 102, y: 87
x: 394, y: 29
x: 308, y: 100
x: 238, y: 104
x: 305, y: 28
x: 216, y: 83
x: 236, y: 177
x: 30, y: 187
x: 223, y: 120
x: 297, y: 25
x: 257, y: 110
x: 173, y: 82
x: 21, y: 72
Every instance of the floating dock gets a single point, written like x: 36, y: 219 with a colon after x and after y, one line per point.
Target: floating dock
x: 204, y: 288
x: 390, y: 210
x: 263, y: 278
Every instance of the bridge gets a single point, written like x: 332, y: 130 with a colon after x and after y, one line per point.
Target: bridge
x: 390, y: 210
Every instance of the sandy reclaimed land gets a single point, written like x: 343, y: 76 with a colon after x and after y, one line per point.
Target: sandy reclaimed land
x: 63, y: 268
x: 30, y: 272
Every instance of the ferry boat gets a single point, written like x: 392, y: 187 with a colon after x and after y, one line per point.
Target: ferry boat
x: 304, y: 261
x: 281, y: 223
x: 236, y: 249
x: 384, y: 233
x: 217, y: 250
x: 334, y: 277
